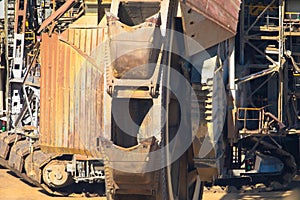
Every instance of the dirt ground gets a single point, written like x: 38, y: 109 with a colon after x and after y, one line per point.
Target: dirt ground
x: 13, y: 188
x: 292, y: 193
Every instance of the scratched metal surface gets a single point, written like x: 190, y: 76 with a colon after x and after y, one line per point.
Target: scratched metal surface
x: 209, y: 22
x: 71, y: 89
x: 223, y: 12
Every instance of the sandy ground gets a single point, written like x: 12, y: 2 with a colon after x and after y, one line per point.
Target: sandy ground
x: 13, y: 188
x: 291, y: 194
x: 260, y: 192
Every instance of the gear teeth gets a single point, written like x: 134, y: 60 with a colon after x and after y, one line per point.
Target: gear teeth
x: 203, y: 95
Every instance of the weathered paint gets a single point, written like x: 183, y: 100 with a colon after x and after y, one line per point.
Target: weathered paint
x: 72, y: 82
x: 71, y: 86
x: 225, y: 13
x: 209, y: 22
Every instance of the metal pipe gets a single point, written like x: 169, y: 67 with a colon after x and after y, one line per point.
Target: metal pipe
x: 2, y: 84
x: 256, y: 75
x: 242, y: 34
x: 280, y: 59
x: 295, y: 65
x: 231, y: 80
x: 231, y: 65
x: 7, y: 88
x: 2, y: 72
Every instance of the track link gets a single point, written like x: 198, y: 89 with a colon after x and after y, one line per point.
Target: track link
x: 290, y: 166
x: 15, y: 155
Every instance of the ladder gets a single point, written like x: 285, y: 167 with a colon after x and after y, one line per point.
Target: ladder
x: 10, y: 23
x: 19, y: 34
x: 18, y: 16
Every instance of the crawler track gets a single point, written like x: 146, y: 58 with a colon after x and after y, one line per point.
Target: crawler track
x: 15, y: 155
x: 290, y: 166
x: 14, y: 151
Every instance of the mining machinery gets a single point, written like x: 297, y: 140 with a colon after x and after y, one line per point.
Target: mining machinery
x: 151, y: 97
x: 20, y: 103
x: 266, y: 136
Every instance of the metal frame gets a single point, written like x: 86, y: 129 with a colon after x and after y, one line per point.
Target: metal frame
x: 251, y: 33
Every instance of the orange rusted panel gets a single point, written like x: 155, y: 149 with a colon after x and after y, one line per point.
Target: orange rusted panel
x: 71, y: 89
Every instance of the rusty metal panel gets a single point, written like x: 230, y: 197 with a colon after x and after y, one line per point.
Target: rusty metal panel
x: 137, y: 160
x: 71, y: 82
x: 209, y: 22
x: 223, y: 12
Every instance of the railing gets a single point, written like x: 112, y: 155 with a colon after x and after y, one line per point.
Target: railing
x: 290, y: 20
x: 292, y: 15
x: 257, y: 121
x: 247, y: 115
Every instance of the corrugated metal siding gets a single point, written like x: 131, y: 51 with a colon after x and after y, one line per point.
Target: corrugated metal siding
x: 71, y: 89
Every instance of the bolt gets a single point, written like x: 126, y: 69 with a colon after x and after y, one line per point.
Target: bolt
x: 58, y: 176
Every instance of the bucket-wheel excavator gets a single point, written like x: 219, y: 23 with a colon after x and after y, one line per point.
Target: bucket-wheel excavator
x: 148, y: 96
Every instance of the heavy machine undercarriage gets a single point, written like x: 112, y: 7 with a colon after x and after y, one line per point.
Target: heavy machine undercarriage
x: 154, y: 98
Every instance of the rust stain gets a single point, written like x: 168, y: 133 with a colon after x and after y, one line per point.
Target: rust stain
x: 66, y: 106
x: 225, y: 13
x: 72, y: 87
